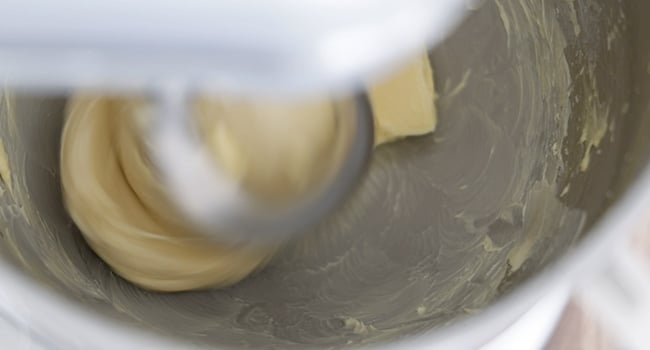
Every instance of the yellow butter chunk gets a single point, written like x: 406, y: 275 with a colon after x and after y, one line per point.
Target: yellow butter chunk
x: 403, y: 103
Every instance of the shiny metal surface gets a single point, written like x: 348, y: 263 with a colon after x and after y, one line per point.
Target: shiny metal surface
x: 535, y: 169
x: 229, y: 211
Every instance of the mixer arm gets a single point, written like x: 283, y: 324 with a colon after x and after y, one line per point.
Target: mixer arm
x: 255, y: 46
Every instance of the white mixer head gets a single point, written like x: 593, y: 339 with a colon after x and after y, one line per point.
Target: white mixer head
x: 250, y: 46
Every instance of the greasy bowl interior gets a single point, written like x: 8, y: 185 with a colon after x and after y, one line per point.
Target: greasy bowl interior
x: 543, y: 109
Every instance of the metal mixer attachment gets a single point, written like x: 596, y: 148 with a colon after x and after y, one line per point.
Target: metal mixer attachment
x: 216, y: 203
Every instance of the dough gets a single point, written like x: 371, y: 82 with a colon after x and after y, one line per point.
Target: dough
x: 120, y: 206
x: 155, y: 252
x: 247, y: 138
x: 403, y: 104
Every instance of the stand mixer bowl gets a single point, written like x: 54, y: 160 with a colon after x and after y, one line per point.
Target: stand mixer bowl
x: 544, y: 110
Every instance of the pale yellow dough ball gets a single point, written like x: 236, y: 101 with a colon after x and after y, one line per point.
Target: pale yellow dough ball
x: 117, y: 201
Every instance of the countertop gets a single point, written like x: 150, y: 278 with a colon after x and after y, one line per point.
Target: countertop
x: 578, y: 328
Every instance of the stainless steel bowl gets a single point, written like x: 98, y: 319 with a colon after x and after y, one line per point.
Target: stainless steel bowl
x: 537, y: 166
